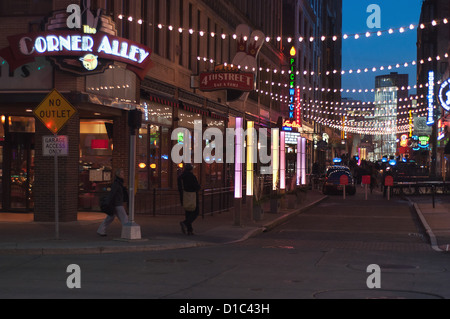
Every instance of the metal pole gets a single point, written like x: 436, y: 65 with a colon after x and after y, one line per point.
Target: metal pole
x: 56, y: 198
x: 132, y: 176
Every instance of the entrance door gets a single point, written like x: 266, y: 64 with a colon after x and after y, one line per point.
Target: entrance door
x: 18, y: 174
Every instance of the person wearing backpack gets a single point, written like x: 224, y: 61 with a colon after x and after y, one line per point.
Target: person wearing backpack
x: 115, y: 198
x: 188, y: 186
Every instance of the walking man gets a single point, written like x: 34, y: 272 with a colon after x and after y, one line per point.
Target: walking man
x: 188, y: 187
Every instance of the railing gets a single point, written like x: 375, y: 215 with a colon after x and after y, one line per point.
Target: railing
x: 421, y: 187
x: 212, y: 201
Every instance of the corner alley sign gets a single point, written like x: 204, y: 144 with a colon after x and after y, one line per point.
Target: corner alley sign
x: 25, y: 47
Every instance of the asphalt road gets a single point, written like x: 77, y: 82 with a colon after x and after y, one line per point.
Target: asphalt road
x: 323, y: 253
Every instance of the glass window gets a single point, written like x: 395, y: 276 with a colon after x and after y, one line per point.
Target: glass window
x: 187, y: 119
x: 165, y: 155
x: 155, y: 156
x: 142, y: 158
x: 95, y: 156
x: 157, y: 113
x: 18, y: 124
x: 153, y: 149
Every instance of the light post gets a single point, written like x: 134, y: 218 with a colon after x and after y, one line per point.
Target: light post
x: 132, y: 231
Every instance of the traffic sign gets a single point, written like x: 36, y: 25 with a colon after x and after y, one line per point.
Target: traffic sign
x: 389, y: 181
x: 366, y: 180
x: 344, y: 180
x: 55, y: 145
x: 54, y: 111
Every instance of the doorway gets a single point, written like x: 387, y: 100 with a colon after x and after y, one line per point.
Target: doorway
x: 17, y: 152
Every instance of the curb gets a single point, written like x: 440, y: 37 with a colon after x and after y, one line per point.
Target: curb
x: 433, y: 240
x: 286, y: 217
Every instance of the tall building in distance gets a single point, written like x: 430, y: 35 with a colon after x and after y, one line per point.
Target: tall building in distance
x: 391, y: 98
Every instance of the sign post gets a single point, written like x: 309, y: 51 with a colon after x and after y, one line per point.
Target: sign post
x: 54, y: 112
x: 344, y: 182
x: 366, y: 183
x: 389, y: 182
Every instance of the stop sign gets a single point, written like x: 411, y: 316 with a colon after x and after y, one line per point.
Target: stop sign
x: 344, y: 180
x: 389, y: 181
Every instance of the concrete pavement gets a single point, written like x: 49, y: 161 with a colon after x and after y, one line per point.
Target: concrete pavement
x: 19, y: 234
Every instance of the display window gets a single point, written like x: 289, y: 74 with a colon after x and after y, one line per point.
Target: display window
x: 96, y: 148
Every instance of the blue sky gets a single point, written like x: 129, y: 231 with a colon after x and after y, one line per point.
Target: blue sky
x: 378, y: 51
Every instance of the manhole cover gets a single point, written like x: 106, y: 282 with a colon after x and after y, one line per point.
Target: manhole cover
x: 374, y: 294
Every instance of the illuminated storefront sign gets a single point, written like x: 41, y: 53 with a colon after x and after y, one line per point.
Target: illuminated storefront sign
x: 404, y: 140
x: 444, y: 95
x: 294, y: 93
x: 227, y: 80
x: 420, y: 143
x: 290, y: 126
x: 25, y: 48
x: 430, y: 97
x: 441, y: 130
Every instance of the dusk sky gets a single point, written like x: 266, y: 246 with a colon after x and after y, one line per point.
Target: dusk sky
x: 388, y: 49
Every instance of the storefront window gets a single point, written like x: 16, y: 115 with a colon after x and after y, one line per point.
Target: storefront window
x: 95, y: 162
x: 213, y: 171
x: 142, y: 158
x: 157, y: 113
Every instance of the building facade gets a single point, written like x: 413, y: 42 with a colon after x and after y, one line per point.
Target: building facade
x: 183, y: 39
x: 306, y: 22
x: 433, y: 48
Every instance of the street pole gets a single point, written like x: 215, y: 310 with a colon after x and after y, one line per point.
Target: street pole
x: 56, y: 198
x: 132, y: 231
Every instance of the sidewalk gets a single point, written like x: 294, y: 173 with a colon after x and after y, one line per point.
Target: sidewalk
x: 436, y: 221
x: 20, y: 235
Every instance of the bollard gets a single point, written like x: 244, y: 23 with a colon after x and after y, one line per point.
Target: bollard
x: 432, y: 195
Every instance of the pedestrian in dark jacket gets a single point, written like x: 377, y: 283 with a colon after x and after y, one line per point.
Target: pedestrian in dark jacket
x: 189, y: 183
x: 117, y: 197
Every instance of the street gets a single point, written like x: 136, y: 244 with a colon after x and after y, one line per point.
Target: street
x: 323, y: 253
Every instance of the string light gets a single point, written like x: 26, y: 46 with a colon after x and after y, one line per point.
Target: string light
x: 406, y: 64
x: 367, y: 34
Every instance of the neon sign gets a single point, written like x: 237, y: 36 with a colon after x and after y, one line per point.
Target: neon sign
x: 441, y: 130
x: 404, y: 141
x: 430, y: 97
x: 420, y: 143
x: 25, y: 48
x: 444, y: 95
x: 288, y: 125
x: 294, y: 94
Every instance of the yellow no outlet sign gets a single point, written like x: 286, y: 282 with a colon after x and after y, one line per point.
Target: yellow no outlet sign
x: 55, y: 111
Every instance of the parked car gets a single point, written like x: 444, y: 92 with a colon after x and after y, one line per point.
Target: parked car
x: 332, y: 180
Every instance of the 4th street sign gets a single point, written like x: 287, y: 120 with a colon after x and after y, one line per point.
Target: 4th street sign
x: 54, y: 111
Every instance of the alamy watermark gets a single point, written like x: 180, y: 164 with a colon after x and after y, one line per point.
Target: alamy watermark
x: 190, y: 146
x: 374, y: 19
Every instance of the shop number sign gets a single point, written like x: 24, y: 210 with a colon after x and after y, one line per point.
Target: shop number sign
x: 54, y: 111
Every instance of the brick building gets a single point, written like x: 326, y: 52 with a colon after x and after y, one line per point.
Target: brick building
x: 182, y: 38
